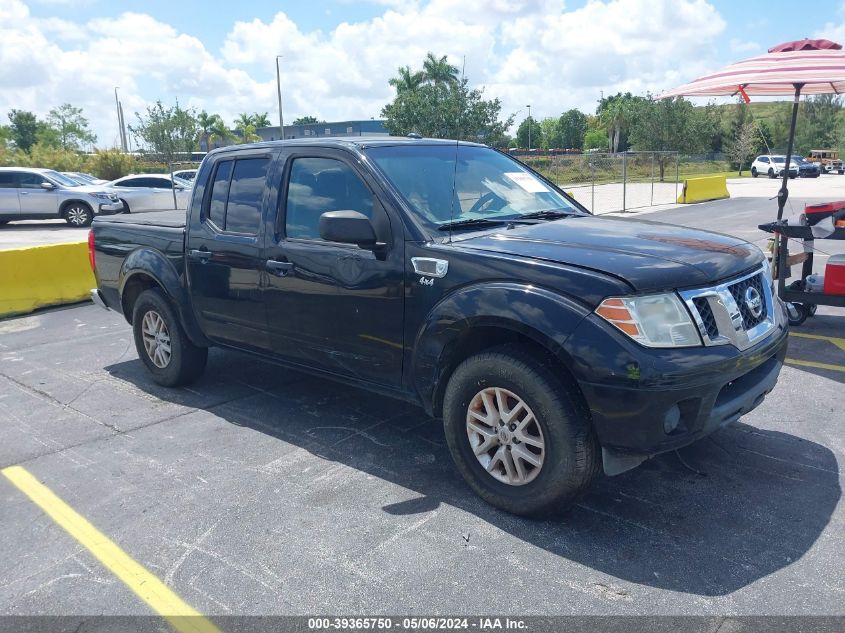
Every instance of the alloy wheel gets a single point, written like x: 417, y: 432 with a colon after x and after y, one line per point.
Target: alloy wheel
x: 156, y: 339
x: 77, y: 215
x: 505, y: 436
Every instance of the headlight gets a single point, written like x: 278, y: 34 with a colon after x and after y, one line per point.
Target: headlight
x: 104, y: 196
x: 652, y: 320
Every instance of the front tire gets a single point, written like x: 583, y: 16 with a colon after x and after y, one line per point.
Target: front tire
x: 78, y: 214
x: 753, y: 172
x: 162, y: 345
x: 519, y: 436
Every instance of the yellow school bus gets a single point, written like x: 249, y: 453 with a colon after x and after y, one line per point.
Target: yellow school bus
x: 828, y: 160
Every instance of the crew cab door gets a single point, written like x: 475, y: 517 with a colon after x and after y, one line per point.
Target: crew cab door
x: 334, y: 306
x: 223, y: 249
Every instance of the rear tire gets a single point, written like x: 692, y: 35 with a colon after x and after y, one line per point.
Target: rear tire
x: 78, y: 214
x: 527, y: 408
x: 753, y: 172
x: 164, y: 348
x: 771, y: 173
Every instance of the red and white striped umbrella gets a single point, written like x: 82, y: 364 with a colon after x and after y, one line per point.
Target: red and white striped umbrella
x: 817, y: 66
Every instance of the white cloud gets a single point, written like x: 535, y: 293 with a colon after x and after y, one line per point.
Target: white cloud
x: 522, y: 51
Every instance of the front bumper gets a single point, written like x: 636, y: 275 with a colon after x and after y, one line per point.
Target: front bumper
x: 110, y: 208
x: 648, y: 401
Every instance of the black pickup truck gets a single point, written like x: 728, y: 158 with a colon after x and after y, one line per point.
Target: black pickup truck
x: 551, y: 342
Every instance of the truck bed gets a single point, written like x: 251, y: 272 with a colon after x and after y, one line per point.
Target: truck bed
x: 170, y: 219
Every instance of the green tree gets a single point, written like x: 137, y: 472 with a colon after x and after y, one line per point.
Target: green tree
x: 595, y: 139
x: 617, y: 113
x: 24, y: 129
x: 438, y: 70
x: 71, y: 127
x: 406, y: 80
x: 550, y: 135
x: 669, y: 125
x: 446, y: 110
x: 167, y: 131
x: 111, y: 164
x: 743, y: 145
x: 305, y: 120
x: 536, y: 136
x: 819, y: 121
x: 573, y: 126
x: 219, y: 132
x: 261, y: 120
x: 206, y: 127
x: 243, y: 120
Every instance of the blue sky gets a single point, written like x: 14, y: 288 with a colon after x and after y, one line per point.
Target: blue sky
x: 339, y: 55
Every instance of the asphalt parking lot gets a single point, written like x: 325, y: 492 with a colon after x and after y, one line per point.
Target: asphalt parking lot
x: 262, y: 491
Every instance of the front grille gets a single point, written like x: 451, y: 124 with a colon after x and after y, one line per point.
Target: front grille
x: 706, y: 313
x: 723, y: 315
x: 738, y: 291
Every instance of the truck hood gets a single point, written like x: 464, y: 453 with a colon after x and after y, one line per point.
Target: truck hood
x: 648, y: 255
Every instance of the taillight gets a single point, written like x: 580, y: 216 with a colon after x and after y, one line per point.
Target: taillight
x: 92, y: 257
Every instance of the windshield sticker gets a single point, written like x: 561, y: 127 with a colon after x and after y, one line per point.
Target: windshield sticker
x: 527, y: 182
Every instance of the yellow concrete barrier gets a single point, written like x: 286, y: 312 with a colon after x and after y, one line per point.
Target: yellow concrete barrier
x: 706, y: 188
x: 43, y: 276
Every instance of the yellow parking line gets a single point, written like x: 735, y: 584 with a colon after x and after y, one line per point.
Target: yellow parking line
x: 839, y: 342
x: 150, y: 589
x: 810, y: 363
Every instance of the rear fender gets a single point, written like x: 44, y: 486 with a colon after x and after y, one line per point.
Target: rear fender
x: 152, y: 264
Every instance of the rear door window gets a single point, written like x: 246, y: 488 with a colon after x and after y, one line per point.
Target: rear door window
x: 8, y: 180
x: 237, y: 195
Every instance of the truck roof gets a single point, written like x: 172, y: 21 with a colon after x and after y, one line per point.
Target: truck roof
x: 346, y: 142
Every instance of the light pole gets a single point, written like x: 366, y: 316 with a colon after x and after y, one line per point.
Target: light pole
x: 529, y: 126
x: 120, y: 123
x: 279, y: 91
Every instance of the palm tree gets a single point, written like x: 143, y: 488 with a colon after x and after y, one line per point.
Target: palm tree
x: 261, y: 120
x: 243, y: 120
x: 206, y: 123
x: 439, y: 71
x: 219, y: 131
x: 407, y: 81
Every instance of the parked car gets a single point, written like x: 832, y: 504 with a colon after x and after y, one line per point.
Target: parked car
x: 151, y: 192
x: 773, y: 166
x: 551, y: 342
x: 186, y: 174
x: 84, y: 179
x: 806, y: 169
x: 28, y: 193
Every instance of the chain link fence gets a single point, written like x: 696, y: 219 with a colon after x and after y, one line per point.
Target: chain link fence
x: 605, y: 182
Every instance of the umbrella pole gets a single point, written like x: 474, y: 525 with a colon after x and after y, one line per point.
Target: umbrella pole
x: 783, y: 194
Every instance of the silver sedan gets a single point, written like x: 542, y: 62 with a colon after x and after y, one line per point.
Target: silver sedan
x: 151, y: 192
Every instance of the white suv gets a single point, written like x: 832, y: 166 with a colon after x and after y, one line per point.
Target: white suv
x: 772, y: 166
x: 28, y: 193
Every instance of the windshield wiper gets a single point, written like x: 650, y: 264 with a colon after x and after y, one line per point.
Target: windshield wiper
x: 470, y: 223
x: 547, y: 214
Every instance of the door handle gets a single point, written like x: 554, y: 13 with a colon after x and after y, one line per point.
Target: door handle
x: 23, y: 193
x: 202, y: 256
x: 280, y: 269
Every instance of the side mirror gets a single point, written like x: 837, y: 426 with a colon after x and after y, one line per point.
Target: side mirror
x: 47, y: 185
x: 348, y: 227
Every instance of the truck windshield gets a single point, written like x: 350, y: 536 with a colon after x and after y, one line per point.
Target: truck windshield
x: 450, y: 183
